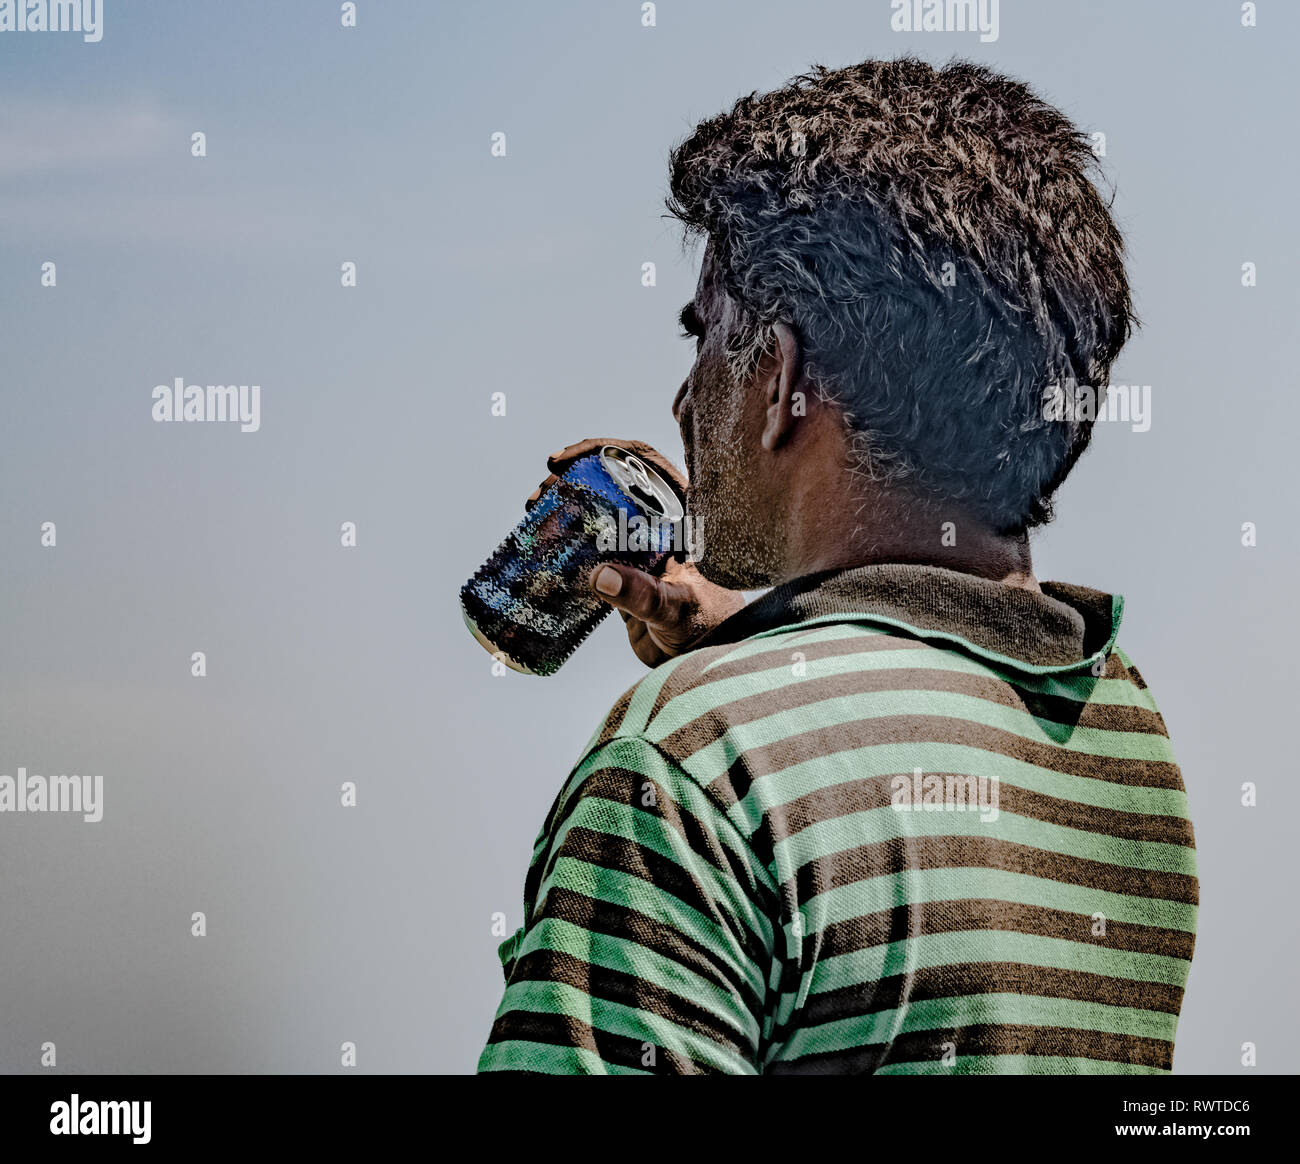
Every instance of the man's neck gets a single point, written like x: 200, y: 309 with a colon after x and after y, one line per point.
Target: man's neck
x: 884, y: 531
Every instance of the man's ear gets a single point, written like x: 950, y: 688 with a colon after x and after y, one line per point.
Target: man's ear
x: 779, y: 380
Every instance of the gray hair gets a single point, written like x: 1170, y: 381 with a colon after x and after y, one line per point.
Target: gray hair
x: 935, y: 240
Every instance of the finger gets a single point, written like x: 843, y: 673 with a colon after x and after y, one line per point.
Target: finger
x: 536, y: 495
x: 643, y: 645
x: 643, y: 597
x: 558, y: 462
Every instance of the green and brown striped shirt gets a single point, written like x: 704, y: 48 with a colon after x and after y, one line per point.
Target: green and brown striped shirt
x: 892, y: 819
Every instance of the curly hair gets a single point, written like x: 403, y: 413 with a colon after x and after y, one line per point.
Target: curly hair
x: 935, y: 239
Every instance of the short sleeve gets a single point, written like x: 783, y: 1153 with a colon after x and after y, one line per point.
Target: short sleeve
x: 646, y: 945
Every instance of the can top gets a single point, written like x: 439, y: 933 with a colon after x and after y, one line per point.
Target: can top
x: 642, y: 482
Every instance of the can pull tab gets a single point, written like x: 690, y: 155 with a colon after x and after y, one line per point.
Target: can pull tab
x: 640, y: 478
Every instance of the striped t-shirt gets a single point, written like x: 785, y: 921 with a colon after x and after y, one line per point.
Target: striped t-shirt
x: 892, y: 819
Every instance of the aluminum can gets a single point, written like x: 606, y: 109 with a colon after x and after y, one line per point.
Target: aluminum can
x: 530, y: 604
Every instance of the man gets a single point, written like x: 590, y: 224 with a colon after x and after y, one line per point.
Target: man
x: 912, y: 811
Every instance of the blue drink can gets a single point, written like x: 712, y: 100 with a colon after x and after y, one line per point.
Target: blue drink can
x: 530, y: 603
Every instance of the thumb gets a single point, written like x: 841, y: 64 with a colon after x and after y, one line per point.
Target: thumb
x: 639, y: 594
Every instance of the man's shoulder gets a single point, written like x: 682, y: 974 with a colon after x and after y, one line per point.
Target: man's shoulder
x: 696, y: 710
x: 695, y: 696
x: 643, y: 735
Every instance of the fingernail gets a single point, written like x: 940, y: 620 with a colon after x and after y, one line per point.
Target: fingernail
x: 609, y: 581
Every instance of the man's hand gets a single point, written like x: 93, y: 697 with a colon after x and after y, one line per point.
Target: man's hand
x: 665, y: 615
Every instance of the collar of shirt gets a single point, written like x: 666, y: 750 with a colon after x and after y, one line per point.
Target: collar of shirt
x: 1061, y: 629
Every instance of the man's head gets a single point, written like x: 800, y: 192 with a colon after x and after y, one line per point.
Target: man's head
x: 901, y: 261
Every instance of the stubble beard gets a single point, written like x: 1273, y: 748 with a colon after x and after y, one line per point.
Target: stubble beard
x: 739, y: 547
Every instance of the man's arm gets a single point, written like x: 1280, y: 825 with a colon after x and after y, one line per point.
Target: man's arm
x: 644, y: 947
